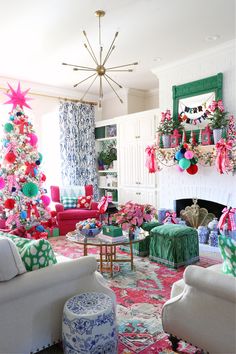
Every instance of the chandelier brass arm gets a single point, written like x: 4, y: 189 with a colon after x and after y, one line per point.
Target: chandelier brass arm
x: 100, y: 69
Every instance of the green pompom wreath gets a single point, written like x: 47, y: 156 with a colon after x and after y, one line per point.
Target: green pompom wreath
x: 30, y: 189
x: 8, y: 127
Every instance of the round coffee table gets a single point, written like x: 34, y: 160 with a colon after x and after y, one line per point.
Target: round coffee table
x: 107, y: 248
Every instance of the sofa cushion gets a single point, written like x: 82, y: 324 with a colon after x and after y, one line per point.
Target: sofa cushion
x: 77, y: 214
x: 69, y: 202
x: 35, y: 254
x: 228, y: 251
x: 84, y: 202
x: 10, y: 260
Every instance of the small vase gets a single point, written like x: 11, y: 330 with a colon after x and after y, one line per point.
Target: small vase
x: 213, y: 224
x: 131, y: 233
x: 217, y: 135
x: 203, y: 234
x: 166, y: 140
x: 213, y: 239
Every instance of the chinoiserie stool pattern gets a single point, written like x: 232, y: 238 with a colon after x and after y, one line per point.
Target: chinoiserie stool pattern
x: 89, y: 325
x: 142, y: 248
x: 174, y: 245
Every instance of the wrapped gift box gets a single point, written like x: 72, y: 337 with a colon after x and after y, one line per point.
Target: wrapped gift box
x: 112, y: 230
x: 52, y: 231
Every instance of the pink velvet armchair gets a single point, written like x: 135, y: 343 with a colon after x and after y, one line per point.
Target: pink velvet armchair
x: 68, y: 218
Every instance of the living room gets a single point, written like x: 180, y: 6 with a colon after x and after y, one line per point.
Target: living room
x: 161, y: 57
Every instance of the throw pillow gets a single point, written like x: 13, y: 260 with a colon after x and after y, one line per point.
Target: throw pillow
x: 10, y: 260
x: 69, y: 202
x: 228, y: 251
x: 84, y: 202
x: 35, y: 254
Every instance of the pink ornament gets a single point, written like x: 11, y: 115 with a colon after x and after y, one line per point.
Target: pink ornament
x: 33, y: 139
x: 45, y: 199
x: 2, y: 183
x: 189, y: 155
x: 178, y: 168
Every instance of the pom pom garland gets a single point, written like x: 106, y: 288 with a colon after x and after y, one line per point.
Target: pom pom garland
x: 179, y: 155
x: 192, y: 170
x: 45, y: 199
x: 184, y: 163
x: 189, y: 154
x: 186, y: 160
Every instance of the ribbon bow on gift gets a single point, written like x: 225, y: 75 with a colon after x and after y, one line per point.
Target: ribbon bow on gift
x: 151, y: 159
x: 227, y: 218
x: 222, y: 158
x: 103, y: 204
x: 171, y: 215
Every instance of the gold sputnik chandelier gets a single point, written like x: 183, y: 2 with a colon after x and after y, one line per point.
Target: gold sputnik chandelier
x: 100, y: 71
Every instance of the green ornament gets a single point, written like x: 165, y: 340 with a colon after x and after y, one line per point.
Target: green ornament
x: 30, y: 189
x: 8, y: 127
x: 184, y: 163
x: 194, y: 160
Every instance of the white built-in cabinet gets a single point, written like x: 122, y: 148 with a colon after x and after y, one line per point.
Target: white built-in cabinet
x: 135, y: 132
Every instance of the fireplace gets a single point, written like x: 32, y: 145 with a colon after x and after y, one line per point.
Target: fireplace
x: 211, y: 207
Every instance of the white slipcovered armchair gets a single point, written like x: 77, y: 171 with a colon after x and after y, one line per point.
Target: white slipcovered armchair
x: 202, y: 310
x: 31, y: 304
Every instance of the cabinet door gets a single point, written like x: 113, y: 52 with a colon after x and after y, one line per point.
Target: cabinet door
x: 145, y: 179
x: 141, y: 196
x: 129, y: 165
x: 148, y: 196
x: 128, y: 130
x: 128, y: 194
x: 147, y: 128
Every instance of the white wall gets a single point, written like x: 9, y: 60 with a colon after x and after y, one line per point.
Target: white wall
x: 207, y: 182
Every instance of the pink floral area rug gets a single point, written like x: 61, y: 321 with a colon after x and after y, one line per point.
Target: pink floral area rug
x: 140, y: 296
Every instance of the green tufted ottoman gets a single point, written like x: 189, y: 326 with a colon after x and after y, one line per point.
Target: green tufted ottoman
x: 174, y: 245
x: 142, y: 248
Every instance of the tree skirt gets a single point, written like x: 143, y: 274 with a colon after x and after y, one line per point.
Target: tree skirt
x: 140, y: 296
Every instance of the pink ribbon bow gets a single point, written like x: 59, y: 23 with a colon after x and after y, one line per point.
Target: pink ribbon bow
x: 12, y: 182
x: 171, y: 215
x: 151, y: 159
x: 30, y: 168
x: 103, y: 204
x: 13, y: 219
x: 217, y: 104
x: 222, y: 158
x: 11, y: 147
x: 227, y: 217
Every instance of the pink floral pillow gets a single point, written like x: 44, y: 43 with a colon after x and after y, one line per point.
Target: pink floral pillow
x: 84, y: 202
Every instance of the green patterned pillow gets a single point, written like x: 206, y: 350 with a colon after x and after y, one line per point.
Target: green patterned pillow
x: 35, y: 254
x: 228, y: 251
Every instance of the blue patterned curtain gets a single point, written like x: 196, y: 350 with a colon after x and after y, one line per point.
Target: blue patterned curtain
x: 77, y: 144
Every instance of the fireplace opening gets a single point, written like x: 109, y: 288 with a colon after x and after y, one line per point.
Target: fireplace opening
x: 211, y: 207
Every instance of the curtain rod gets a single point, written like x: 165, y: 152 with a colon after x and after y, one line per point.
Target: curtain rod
x: 58, y: 97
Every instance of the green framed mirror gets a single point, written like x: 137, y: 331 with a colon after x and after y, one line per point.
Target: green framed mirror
x: 191, y: 100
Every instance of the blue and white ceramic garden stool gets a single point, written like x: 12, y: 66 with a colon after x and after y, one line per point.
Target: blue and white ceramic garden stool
x: 89, y: 325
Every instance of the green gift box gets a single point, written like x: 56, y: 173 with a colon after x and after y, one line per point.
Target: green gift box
x: 112, y: 230
x: 52, y: 231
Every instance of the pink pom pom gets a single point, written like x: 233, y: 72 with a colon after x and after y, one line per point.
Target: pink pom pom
x: 2, y: 183
x: 178, y: 168
x: 189, y: 155
x: 45, y: 199
x: 33, y: 139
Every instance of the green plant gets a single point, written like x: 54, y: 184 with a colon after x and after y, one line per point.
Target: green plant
x: 168, y: 124
x: 218, y: 118
x: 108, y: 156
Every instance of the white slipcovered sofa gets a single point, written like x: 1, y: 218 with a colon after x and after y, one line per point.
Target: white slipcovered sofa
x: 202, y: 310
x: 31, y: 304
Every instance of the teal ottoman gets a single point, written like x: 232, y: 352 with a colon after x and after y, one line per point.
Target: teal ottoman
x: 142, y: 248
x: 174, y: 245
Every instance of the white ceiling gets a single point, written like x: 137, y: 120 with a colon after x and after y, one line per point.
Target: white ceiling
x: 37, y: 36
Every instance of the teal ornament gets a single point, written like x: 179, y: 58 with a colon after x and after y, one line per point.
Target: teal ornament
x: 40, y: 228
x: 30, y: 189
x: 40, y: 157
x: 179, y: 155
x: 6, y: 143
x: 8, y: 127
x: 23, y: 214
x: 184, y: 163
x: 11, y: 117
x: 36, y: 171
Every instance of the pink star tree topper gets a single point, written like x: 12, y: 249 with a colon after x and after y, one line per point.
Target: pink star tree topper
x: 18, y: 97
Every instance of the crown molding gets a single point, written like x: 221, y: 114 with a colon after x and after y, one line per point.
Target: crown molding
x: 219, y: 48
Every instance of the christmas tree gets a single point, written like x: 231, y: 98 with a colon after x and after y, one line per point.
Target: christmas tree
x: 23, y: 201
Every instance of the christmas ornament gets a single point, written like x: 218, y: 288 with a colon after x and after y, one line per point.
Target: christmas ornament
x: 45, y: 199
x: 8, y: 127
x: 10, y: 157
x: 184, y: 163
x: 33, y: 139
x: 192, y: 170
x: 9, y: 203
x: 17, y: 98
x: 30, y: 189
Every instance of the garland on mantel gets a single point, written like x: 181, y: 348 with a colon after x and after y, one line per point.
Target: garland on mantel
x: 225, y: 161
